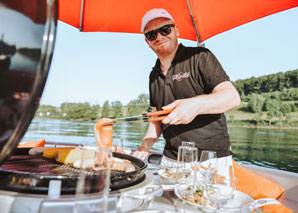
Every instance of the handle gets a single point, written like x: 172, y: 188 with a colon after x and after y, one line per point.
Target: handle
x: 156, y: 118
x: 161, y: 112
x: 149, y: 192
x: 262, y: 202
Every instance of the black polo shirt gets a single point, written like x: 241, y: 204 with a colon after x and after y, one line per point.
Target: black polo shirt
x: 194, y: 71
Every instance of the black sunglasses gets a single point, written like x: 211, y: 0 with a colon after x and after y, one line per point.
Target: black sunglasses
x: 164, y: 30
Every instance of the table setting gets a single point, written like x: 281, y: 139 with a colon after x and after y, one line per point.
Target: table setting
x: 199, y: 184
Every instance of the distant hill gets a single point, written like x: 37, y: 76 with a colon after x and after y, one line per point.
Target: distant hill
x: 268, y: 83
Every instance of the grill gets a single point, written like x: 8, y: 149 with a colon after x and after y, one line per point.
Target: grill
x: 32, y: 174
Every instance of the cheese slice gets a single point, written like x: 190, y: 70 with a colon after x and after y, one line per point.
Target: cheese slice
x: 70, y: 156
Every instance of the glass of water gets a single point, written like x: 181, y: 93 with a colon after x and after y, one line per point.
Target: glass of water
x: 93, y: 185
x: 117, y: 145
x: 208, y: 165
x: 221, y: 191
x: 186, y: 164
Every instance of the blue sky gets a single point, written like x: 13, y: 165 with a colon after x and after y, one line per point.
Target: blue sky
x: 95, y: 66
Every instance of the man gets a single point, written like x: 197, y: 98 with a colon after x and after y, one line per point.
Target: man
x: 191, y: 81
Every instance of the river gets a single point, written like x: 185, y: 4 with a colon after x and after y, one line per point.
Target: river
x: 273, y: 148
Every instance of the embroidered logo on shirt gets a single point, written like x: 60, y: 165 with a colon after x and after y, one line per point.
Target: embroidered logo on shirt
x: 179, y: 76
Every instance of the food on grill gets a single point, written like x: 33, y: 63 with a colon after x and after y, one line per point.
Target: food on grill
x: 103, y: 130
x: 51, y: 152
x: 71, y: 155
x: 117, y: 164
x: 36, y: 151
x: 38, y: 143
x: 123, y: 166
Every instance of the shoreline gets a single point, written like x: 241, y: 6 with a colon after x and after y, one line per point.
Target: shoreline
x: 229, y: 124
x: 264, y: 127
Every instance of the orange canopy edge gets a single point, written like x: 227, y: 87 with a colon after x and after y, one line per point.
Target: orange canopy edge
x: 211, y: 17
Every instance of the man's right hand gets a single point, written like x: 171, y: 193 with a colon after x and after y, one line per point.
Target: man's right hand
x: 141, y: 154
x: 143, y: 151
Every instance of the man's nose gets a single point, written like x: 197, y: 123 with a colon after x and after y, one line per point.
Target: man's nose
x: 158, y: 36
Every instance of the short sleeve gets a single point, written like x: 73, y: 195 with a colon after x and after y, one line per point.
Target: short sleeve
x: 211, y: 73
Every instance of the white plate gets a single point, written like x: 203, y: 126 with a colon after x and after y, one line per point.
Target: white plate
x: 162, y: 173
x: 236, y: 204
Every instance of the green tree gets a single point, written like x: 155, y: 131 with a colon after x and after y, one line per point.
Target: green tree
x: 48, y: 111
x: 139, y: 105
x: 272, y: 109
x: 116, y: 110
x: 256, y: 103
x: 105, y: 112
x: 76, y: 111
x: 285, y: 108
x: 95, y: 111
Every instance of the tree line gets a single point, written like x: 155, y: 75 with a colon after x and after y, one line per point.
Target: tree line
x: 272, y: 97
x: 268, y: 83
x: 87, y: 112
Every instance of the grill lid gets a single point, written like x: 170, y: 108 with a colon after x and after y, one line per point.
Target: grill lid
x: 24, y: 64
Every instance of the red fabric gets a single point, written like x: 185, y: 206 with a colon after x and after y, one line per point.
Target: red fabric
x: 38, y: 143
x: 212, y: 17
x: 259, y: 187
x: 255, y: 185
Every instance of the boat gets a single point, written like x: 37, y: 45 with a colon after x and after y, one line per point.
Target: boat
x: 20, y: 92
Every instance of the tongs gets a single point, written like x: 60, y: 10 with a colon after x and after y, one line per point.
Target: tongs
x: 149, y: 116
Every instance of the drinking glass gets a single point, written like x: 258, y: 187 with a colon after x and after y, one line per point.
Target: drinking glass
x: 208, y: 165
x: 186, y: 164
x: 93, y: 185
x: 186, y: 171
x: 188, y: 143
x: 117, y: 145
x: 221, y: 191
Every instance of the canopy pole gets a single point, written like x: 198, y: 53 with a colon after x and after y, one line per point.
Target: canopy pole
x: 199, y: 41
x: 81, y: 15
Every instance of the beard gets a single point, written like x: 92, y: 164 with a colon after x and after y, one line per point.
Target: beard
x: 165, y: 47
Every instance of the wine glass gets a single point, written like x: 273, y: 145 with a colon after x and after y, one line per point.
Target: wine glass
x: 208, y: 165
x: 186, y: 171
x: 186, y: 162
x: 220, y: 191
x: 93, y: 185
x: 117, y: 145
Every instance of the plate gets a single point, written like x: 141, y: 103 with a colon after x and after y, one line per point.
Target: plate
x: 168, y: 174
x: 237, y: 203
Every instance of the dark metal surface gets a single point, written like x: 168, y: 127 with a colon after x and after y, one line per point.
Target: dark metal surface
x: 27, y: 36
x: 32, y: 174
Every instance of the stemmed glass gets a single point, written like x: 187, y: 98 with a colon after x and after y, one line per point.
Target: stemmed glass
x: 221, y: 191
x: 208, y: 165
x: 93, y: 186
x: 186, y: 165
x: 117, y: 145
x: 186, y: 162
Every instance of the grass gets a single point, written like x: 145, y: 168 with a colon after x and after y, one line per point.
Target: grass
x: 237, y: 117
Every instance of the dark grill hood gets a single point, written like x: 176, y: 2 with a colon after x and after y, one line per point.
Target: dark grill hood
x: 26, y: 48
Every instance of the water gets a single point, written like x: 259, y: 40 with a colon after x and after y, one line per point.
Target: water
x: 272, y: 148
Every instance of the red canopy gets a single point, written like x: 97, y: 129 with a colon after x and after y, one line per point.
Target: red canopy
x: 211, y: 16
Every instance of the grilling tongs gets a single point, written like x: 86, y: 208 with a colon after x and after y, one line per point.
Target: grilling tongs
x: 150, y: 116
